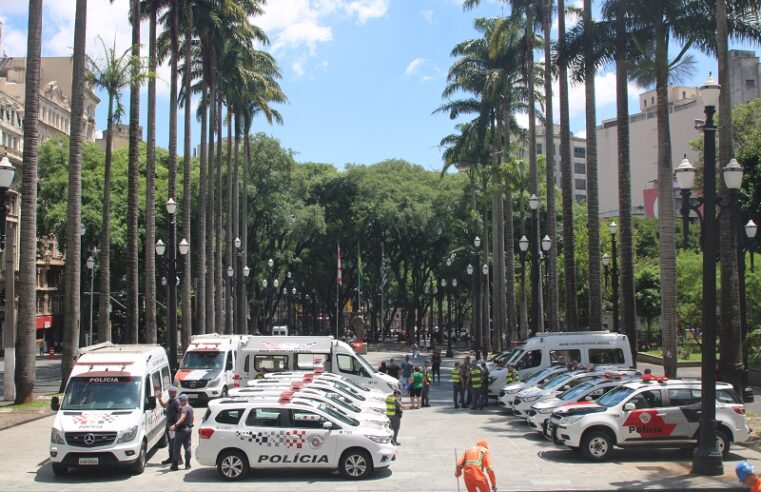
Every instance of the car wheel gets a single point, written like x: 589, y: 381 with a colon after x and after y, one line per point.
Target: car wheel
x: 596, y: 445
x: 233, y: 465
x: 139, y: 466
x: 356, y: 464
x: 59, y: 469
x: 722, y: 442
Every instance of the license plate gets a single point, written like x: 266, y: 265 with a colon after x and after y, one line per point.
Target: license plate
x: 88, y: 461
x: 192, y: 396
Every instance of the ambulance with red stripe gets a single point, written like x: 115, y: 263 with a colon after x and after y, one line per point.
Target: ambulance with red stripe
x: 211, y: 366
x: 653, y: 412
x: 109, y: 415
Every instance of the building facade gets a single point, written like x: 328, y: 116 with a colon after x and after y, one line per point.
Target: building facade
x: 578, y: 160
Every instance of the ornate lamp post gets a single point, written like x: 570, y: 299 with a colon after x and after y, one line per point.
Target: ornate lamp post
x: 485, y: 319
x: 445, y: 290
x: 546, y: 247
x: 613, y: 228
x: 91, y: 266
x: 523, y: 248
x: 536, y: 321
x: 477, y: 311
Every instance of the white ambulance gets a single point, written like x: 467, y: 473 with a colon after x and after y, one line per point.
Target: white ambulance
x: 547, y: 349
x: 109, y: 414
x: 210, y: 367
x: 239, y: 434
x: 276, y: 354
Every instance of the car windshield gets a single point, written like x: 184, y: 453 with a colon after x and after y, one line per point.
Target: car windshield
x: 614, y: 397
x: 203, y: 360
x: 337, y: 400
x: 556, y: 380
x: 352, y: 384
x: 574, y: 394
x: 539, y: 376
x: 102, y: 393
x: 338, y: 416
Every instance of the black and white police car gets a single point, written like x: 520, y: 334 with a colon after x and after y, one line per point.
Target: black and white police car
x: 240, y: 434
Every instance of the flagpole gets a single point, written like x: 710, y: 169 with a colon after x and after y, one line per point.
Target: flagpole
x: 383, y: 289
x: 338, y: 287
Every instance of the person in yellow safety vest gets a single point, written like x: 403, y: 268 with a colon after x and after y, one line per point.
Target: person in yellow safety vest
x: 475, y: 387
x: 512, y: 375
x: 394, y: 413
x: 457, y: 388
x: 475, y: 464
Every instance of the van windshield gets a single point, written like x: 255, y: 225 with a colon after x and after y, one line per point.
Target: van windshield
x: 102, y: 393
x: 366, y: 365
x: 516, y: 355
x: 203, y: 360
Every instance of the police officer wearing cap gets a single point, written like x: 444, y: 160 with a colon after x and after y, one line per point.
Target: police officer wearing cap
x: 172, y: 412
x: 183, y: 431
x: 744, y: 472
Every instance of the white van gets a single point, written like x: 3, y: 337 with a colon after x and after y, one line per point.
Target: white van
x: 546, y: 349
x: 210, y: 367
x: 275, y: 354
x: 108, y: 415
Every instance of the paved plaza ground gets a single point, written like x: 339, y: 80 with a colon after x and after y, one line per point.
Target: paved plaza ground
x: 430, y: 438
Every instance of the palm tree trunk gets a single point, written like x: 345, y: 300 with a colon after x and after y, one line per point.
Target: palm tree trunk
x: 104, y: 287
x: 187, y: 315
x: 566, y: 170
x: 74, y: 212
x: 485, y: 311
x: 244, y: 216
x: 211, y: 326
x: 240, y: 311
x: 230, y: 246
x: 553, y: 309
x: 730, y: 330
x: 593, y: 199
x: 498, y: 230
x: 172, y: 181
x: 667, y: 242
x: 509, y: 236
x: 219, y: 292
x: 133, y: 314
x: 27, y: 300
x: 150, y: 189
x: 200, y: 248
x: 628, y: 301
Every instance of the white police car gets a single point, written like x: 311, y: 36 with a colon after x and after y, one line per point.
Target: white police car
x: 327, y: 387
x: 652, y: 412
x: 508, y: 392
x: 239, y: 434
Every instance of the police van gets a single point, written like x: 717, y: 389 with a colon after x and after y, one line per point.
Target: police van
x: 561, y: 348
x: 654, y: 412
x: 265, y: 354
x: 108, y: 415
x: 210, y: 367
x: 237, y: 435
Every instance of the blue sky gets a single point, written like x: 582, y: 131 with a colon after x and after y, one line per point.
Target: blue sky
x: 362, y: 76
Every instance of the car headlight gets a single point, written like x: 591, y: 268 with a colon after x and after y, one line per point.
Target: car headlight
x: 570, y: 420
x: 128, y: 435
x: 56, y: 436
x: 379, y: 439
x: 213, y: 382
x: 545, y: 411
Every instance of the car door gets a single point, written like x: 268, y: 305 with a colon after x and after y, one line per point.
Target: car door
x: 643, y: 419
x: 312, y: 445
x: 262, y: 436
x: 683, y: 410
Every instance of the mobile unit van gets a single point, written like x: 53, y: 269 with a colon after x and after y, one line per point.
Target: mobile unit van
x: 109, y: 414
x: 211, y: 366
x: 263, y: 354
x: 581, y: 347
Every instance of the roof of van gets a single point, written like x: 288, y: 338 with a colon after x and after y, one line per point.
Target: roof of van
x: 129, y: 358
x: 573, y: 333
x: 110, y: 348
x: 307, y: 345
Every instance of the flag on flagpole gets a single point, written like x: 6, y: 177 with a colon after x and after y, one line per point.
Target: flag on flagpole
x: 340, y: 273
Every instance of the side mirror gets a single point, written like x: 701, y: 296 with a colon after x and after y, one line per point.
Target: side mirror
x: 55, y: 403
x: 587, y: 398
x: 150, y: 403
x: 327, y: 425
x: 567, y: 387
x: 628, y: 407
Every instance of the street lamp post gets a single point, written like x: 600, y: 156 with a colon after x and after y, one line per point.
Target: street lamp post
x: 707, y: 458
x: 230, y: 295
x: 477, y: 311
x: 449, y: 320
x: 7, y: 175
x: 536, y: 308
x: 523, y: 247
x: 268, y: 318
x: 240, y: 291
x: 614, y: 273
x: 171, y: 208
x: 291, y: 313
x: 91, y: 267
x: 750, y: 231
x: 485, y: 317
x: 546, y: 247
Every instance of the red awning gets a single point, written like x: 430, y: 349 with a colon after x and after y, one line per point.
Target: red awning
x: 44, y: 322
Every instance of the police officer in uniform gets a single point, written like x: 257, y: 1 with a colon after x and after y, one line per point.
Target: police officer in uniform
x: 394, y: 413
x: 475, y: 386
x: 457, y: 389
x: 172, y: 412
x: 183, y: 431
x: 512, y: 374
x: 465, y: 381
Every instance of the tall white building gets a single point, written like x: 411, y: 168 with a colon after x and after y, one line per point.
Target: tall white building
x: 578, y: 160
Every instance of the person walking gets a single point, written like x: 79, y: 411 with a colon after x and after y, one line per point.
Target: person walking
x: 172, y: 412
x: 465, y: 381
x: 383, y: 367
x: 484, y: 385
x: 406, y: 372
x: 457, y: 391
x: 475, y: 464
x: 744, y: 472
x: 475, y: 386
x: 436, y: 363
x: 393, y: 369
x: 416, y: 387
x: 415, y: 349
x: 183, y: 432
x: 427, y: 378
x: 394, y: 413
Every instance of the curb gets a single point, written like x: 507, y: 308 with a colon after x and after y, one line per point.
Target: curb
x: 38, y: 417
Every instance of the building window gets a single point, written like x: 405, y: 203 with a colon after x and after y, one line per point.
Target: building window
x: 645, y: 103
x: 684, y: 94
x: 581, y: 198
x: 580, y: 168
x: 579, y: 152
x: 581, y: 184
x: 539, y: 148
x: 652, y: 100
x: 750, y: 84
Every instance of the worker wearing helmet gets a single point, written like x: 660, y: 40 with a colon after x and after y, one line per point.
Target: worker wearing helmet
x: 475, y: 463
x: 744, y: 472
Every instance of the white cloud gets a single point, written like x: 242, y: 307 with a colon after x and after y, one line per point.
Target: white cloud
x: 581, y: 134
x: 422, y: 69
x: 367, y: 9
x: 427, y: 15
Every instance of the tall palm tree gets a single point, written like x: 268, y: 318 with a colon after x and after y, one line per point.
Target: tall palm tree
x: 113, y: 75
x: 74, y: 207
x: 133, y: 315
x: 187, y: 316
x: 172, y: 27
x: 593, y: 198
x: 27, y: 305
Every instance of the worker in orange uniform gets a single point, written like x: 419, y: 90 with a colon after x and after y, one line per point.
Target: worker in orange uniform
x: 474, y: 464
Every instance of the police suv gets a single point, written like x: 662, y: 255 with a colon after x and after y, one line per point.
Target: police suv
x: 508, y: 392
x: 652, y: 412
x: 239, y: 434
